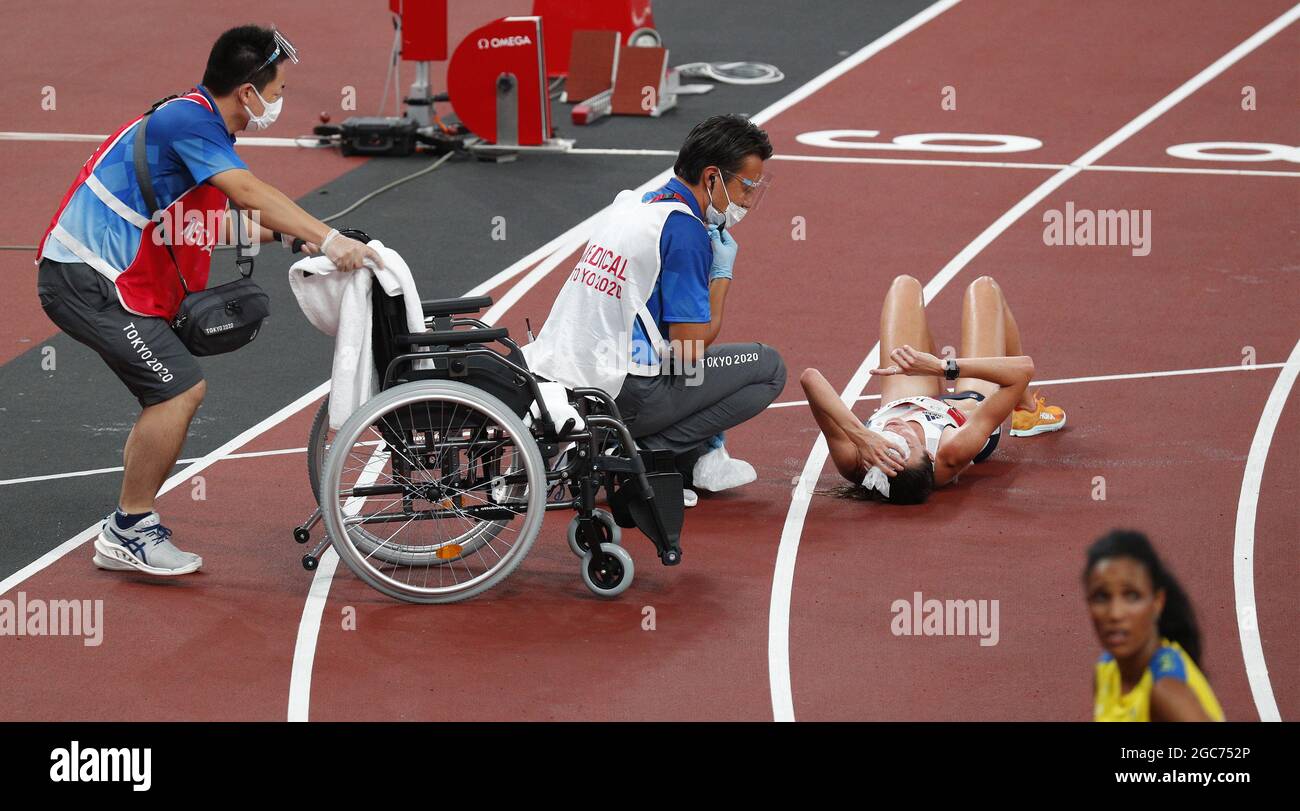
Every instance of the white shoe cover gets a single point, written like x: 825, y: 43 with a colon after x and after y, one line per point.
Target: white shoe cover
x: 716, y: 470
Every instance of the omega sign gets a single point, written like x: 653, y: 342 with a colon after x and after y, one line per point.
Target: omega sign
x: 503, y: 42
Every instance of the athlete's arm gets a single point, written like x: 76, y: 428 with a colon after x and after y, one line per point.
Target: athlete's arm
x: 853, y: 446
x: 1173, y: 700
x: 1011, y: 374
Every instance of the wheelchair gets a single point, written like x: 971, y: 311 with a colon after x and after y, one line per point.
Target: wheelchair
x: 435, y: 489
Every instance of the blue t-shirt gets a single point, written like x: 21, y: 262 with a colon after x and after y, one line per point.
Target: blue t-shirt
x: 681, y: 293
x: 186, y: 143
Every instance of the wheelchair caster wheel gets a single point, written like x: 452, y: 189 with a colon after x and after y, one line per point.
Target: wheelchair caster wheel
x: 602, y: 529
x: 309, y: 563
x: 608, y: 571
x: 301, y: 535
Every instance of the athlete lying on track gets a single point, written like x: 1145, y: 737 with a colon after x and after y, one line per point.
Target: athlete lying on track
x: 921, y: 438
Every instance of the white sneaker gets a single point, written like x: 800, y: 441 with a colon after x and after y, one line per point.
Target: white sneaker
x: 716, y: 470
x: 689, y: 498
x: 145, y: 547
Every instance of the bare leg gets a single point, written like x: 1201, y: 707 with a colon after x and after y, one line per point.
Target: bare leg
x: 902, y: 321
x: 988, y: 329
x: 154, y: 446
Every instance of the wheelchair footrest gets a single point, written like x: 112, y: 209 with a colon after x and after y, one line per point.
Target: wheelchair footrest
x: 659, y: 518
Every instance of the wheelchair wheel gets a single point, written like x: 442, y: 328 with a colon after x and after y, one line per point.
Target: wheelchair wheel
x: 433, y: 491
x: 582, y: 537
x: 608, y: 570
x: 318, y: 445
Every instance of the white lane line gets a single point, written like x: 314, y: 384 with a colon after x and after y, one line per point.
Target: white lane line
x: 176, y: 479
x: 778, y: 651
x: 118, y: 469
x: 1243, y: 545
x: 1092, y: 379
x: 304, y: 648
x: 1173, y: 170
x: 78, y: 137
x: 846, y: 159
x: 785, y: 404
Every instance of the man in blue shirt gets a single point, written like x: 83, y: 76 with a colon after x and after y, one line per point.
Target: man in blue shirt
x: 705, y: 388
x: 110, y: 284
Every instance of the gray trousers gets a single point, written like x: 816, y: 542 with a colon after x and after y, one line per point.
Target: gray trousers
x: 680, y: 412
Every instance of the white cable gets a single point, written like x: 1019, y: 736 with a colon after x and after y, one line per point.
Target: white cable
x: 732, y: 72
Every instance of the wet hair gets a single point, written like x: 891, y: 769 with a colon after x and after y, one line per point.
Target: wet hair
x: 1177, y: 621
x: 911, y: 485
x: 723, y: 141
x: 234, y: 57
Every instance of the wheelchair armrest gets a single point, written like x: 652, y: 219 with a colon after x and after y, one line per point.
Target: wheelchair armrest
x: 455, y: 306
x: 452, y: 337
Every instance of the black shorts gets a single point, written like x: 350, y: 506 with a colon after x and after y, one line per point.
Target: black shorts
x: 142, y: 351
x: 991, y: 443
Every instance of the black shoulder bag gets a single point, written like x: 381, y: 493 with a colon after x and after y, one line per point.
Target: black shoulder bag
x: 220, y: 319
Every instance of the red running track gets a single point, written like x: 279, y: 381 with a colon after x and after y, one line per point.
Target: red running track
x: 1221, y: 276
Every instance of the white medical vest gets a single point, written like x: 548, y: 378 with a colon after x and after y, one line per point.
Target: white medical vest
x: 587, y: 339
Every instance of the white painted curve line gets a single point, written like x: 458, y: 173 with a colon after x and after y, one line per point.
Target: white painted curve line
x: 1243, y: 545
x: 1092, y: 379
x: 176, y: 479
x: 553, y: 252
x: 313, y: 610
x: 977, y: 164
x: 304, y: 647
x: 778, y: 650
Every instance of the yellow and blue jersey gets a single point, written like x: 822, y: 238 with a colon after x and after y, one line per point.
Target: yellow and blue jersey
x: 1170, y: 662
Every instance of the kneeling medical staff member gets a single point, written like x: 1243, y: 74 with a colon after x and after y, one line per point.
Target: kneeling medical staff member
x: 661, y: 264
x: 108, y: 283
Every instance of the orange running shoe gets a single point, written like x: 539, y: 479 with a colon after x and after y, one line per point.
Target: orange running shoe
x: 1042, y: 419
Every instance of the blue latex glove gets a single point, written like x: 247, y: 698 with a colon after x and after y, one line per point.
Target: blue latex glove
x: 725, y: 248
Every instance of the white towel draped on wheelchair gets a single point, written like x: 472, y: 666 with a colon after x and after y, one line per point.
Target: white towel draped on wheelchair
x: 339, y: 305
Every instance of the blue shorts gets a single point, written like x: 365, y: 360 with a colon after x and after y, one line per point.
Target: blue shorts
x: 991, y: 443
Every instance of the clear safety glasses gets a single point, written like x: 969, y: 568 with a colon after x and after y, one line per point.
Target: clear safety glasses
x: 753, y: 189
x: 282, y: 46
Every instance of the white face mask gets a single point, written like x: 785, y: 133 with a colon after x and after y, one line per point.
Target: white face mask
x: 731, y: 216
x: 270, y: 112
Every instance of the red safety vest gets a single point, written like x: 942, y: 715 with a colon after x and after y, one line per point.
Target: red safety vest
x: 149, y: 285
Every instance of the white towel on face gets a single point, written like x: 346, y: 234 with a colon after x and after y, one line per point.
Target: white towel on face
x: 876, y: 479
x: 339, y: 305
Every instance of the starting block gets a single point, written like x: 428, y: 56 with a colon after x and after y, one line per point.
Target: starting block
x: 497, y: 83
x: 638, y: 82
x: 633, y: 20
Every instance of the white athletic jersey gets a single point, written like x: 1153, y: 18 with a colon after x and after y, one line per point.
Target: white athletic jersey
x: 587, y: 339
x: 933, y: 415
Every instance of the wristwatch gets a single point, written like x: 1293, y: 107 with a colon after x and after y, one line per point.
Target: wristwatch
x: 950, y: 370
